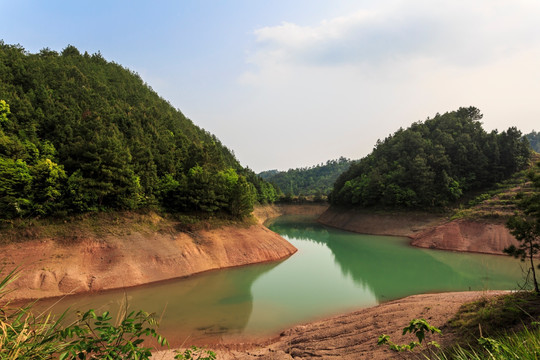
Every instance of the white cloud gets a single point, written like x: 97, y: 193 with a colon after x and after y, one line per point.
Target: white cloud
x: 460, y: 32
x: 338, y: 85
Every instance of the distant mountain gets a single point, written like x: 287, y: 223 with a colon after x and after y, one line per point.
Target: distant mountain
x: 534, y: 140
x: 315, y: 180
x: 79, y: 134
x: 432, y: 163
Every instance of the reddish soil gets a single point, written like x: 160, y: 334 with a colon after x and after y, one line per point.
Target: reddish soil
x: 463, y: 235
x: 426, y: 230
x: 51, y: 268
x: 399, y: 224
x: 131, y: 253
x: 354, y: 335
x: 267, y: 212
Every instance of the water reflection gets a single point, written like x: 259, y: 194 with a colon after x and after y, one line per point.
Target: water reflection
x: 206, y: 307
x: 392, y: 269
x: 333, y: 272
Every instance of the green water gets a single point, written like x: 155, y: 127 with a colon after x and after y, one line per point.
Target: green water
x: 333, y: 272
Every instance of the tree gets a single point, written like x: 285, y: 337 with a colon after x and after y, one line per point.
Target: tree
x: 48, y: 180
x: 526, y: 228
x: 4, y: 111
x: 15, y: 182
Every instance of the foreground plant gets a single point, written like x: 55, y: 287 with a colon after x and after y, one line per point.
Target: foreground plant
x: 526, y: 229
x: 24, y: 335
x: 418, y: 327
x: 524, y: 345
x: 196, y: 353
x: 96, y: 337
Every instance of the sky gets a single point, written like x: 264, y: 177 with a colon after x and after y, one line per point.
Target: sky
x: 294, y: 83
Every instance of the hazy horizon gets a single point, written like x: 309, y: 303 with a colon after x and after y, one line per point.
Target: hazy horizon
x: 294, y: 84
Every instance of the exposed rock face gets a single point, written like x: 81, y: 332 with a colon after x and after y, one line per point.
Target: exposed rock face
x: 266, y: 212
x: 399, y: 224
x: 425, y: 230
x: 463, y: 235
x: 49, y: 268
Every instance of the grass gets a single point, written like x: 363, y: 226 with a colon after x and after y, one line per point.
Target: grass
x: 24, y: 335
x: 499, y: 202
x: 70, y: 230
x: 524, y: 344
x: 486, y: 317
x: 502, y: 327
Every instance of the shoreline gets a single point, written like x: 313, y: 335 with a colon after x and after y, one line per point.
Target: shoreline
x: 127, y: 256
x: 426, y: 230
x: 320, y: 337
x: 352, y: 335
x: 111, y: 262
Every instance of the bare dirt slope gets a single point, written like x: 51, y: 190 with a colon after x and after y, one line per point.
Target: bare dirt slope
x: 399, y: 224
x: 466, y: 235
x: 92, y: 262
x: 267, y: 212
x: 426, y: 230
x: 354, y: 335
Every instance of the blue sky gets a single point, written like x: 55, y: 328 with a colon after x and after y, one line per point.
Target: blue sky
x: 295, y: 83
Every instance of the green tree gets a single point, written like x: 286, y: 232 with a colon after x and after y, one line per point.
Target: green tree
x: 243, y: 198
x: 526, y: 229
x: 4, y: 112
x: 48, y: 182
x: 15, y: 183
x: 119, y: 144
x: 432, y: 163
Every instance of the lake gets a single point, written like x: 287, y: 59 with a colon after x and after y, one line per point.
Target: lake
x: 333, y: 272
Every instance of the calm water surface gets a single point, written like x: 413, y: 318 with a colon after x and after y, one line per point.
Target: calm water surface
x: 333, y: 271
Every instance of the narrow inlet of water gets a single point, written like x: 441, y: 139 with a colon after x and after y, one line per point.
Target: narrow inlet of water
x: 333, y: 272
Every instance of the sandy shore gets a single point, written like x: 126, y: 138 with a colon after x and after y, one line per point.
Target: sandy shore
x: 354, y: 335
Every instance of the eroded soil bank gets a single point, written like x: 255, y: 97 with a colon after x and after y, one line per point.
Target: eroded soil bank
x: 268, y: 212
x: 425, y: 230
x: 354, y: 335
x: 465, y: 235
x: 123, y: 257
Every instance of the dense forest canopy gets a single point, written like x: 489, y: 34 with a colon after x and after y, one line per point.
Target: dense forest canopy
x: 432, y: 163
x: 315, y: 180
x: 79, y: 133
x: 534, y: 139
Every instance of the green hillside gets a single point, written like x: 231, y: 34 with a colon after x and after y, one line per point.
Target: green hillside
x: 79, y: 133
x: 315, y: 180
x: 534, y: 139
x: 432, y: 163
x: 502, y: 199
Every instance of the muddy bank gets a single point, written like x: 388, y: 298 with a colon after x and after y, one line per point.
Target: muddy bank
x: 398, y: 224
x: 464, y: 235
x: 354, y: 335
x: 268, y: 212
x: 425, y: 230
x: 50, y: 267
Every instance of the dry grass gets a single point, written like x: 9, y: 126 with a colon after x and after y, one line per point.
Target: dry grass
x: 501, y: 201
x: 72, y: 229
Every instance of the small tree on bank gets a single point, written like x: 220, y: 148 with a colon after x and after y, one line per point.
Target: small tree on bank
x: 526, y: 229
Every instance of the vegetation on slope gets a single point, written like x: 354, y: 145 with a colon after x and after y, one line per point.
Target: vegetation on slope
x: 79, y: 134
x: 314, y: 180
x: 432, y: 163
x: 503, y: 327
x: 534, y: 139
x: 501, y: 200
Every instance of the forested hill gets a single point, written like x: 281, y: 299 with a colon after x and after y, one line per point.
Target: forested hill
x: 79, y: 133
x: 534, y: 139
x: 315, y: 180
x: 432, y: 163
